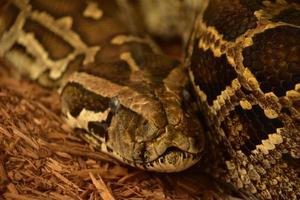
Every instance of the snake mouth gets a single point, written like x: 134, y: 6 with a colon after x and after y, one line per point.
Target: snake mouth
x: 172, y: 160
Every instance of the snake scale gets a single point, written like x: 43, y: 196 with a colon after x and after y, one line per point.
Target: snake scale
x: 232, y: 105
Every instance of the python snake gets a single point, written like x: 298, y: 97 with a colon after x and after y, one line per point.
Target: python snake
x: 136, y: 104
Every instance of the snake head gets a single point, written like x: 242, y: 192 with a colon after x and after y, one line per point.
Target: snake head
x: 157, y: 131
x: 172, y: 141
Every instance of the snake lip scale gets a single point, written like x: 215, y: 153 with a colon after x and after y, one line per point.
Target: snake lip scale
x: 172, y: 160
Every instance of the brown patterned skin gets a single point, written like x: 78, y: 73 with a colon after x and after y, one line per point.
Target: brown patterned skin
x: 244, y: 62
x: 131, y: 101
x: 243, y: 59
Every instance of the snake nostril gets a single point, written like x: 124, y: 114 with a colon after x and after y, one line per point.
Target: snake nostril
x: 186, y: 95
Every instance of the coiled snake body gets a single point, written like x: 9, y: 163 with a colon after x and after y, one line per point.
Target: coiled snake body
x: 136, y: 104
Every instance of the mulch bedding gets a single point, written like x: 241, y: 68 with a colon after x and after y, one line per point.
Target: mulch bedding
x: 41, y: 157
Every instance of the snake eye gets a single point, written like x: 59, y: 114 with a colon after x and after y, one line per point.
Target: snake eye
x: 114, y: 104
x: 186, y: 95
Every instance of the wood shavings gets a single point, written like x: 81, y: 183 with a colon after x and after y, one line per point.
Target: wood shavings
x: 101, y: 187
